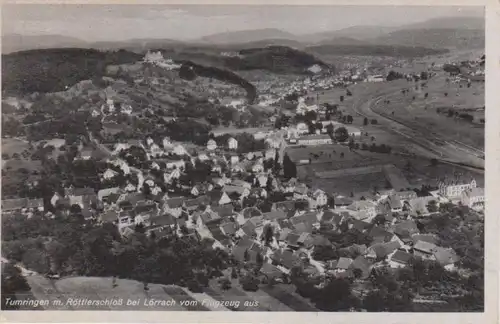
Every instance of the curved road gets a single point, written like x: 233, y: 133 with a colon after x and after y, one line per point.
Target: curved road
x: 428, y: 144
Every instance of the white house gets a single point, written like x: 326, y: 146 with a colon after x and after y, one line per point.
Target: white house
x: 109, y: 174
x: 178, y: 164
x: 126, y: 109
x: 179, y: 150
x: 320, y: 197
x: 302, y: 128
x: 473, y: 198
x: 232, y: 143
x: 167, y: 144
x: 258, y: 167
x: 211, y: 145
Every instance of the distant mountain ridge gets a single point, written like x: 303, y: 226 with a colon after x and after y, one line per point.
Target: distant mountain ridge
x: 459, y: 32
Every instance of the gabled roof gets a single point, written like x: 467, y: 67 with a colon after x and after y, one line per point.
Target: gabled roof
x: 445, y: 256
x: 406, y: 228
x: 308, y: 217
x: 106, y: 192
x: 362, y: 264
x: 286, y: 258
x: 234, y: 189
x: 378, y: 232
x: 401, y: 257
x: 229, y: 228
x: 274, y: 215
x: 163, y: 220
x: 215, y: 195
x: 429, y: 238
x: 209, y: 217
x: 223, y: 211
x: 344, y: 263
x: 303, y: 228
x: 425, y: 247
x: 287, y: 205
x: 270, y: 271
x: 382, y: 250
x: 359, y: 225
x: 257, y: 221
x: 176, y: 202
x: 250, y: 212
x: 79, y: 191
x: 292, y: 239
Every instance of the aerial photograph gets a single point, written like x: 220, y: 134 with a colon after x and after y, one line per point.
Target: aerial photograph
x: 265, y: 158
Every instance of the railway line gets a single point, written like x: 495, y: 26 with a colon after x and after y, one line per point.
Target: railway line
x: 430, y: 143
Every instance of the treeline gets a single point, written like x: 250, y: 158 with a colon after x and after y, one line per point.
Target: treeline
x: 278, y: 59
x: 189, y: 70
x: 72, y: 246
x: 51, y: 70
x: 375, y: 50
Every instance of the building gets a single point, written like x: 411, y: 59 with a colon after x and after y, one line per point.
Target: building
x: 375, y: 78
x: 232, y: 143
x: 454, y: 189
x: 473, y: 198
x: 315, y: 140
x: 211, y: 145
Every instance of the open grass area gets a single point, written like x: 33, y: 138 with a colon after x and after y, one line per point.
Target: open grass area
x: 423, y: 110
x: 13, y: 145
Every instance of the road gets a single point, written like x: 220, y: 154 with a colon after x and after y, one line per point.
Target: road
x: 429, y: 144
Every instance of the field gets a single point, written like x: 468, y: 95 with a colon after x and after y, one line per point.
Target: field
x: 13, y: 145
x: 422, y: 112
x: 72, y: 293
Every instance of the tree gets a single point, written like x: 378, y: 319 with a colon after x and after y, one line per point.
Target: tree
x: 374, y: 122
x: 341, y: 134
x: 341, y: 98
x: 289, y: 168
x: 365, y: 121
x: 267, y: 234
x: 249, y: 283
x: 349, y: 119
x: 434, y: 162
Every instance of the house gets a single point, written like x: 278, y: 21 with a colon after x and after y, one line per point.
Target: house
x: 179, y: 150
x: 232, y: 144
x: 300, y: 191
x: 110, y: 216
x: 270, y: 272
x: 341, y: 202
x: 211, y: 145
x: 258, y: 167
x: 109, y: 174
x: 85, y: 155
x: 285, y: 258
x: 473, y: 198
x: 364, y: 266
x: 175, y: 164
x: 218, y: 197
x: 342, y: 265
x: 241, y: 192
x: 173, y: 206
x: 446, y: 258
x: 405, y: 230
x: 455, y: 188
x: 261, y: 180
x: 273, y: 141
x: 364, y: 206
x: 311, y: 218
x: 394, y: 204
x: 81, y: 196
x: 207, y: 218
x: 247, y: 213
x: 223, y: 211
x: 23, y: 205
x: 315, y: 140
x: 229, y: 228
x: 241, y: 183
x: 380, y: 235
x: 274, y: 215
x: 424, y: 250
x: 104, y: 193
x: 380, y: 251
x: 399, y: 259
x: 270, y: 155
x: 406, y: 195
x: 286, y: 206
x: 418, y: 206
x: 320, y: 198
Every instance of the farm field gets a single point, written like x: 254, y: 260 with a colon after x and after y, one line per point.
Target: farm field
x: 423, y: 112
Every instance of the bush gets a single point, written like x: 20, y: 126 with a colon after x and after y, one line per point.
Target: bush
x: 374, y: 122
x: 249, y: 283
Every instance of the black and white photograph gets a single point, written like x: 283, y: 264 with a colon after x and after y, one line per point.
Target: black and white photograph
x: 251, y: 158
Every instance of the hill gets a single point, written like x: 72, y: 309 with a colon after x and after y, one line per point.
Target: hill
x: 246, y: 36
x: 52, y: 70
x: 15, y: 42
x: 354, y: 32
x: 435, y: 38
x: 375, y: 50
x: 449, y: 23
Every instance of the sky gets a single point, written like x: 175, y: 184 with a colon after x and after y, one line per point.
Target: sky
x: 121, y: 22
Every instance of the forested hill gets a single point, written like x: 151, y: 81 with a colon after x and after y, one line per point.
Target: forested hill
x: 190, y: 70
x: 51, y: 70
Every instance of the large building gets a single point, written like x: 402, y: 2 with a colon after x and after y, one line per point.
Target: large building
x: 454, y: 189
x: 315, y: 140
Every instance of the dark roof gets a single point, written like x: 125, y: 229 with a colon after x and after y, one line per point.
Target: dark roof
x: 109, y: 216
x: 209, y: 217
x: 270, y: 271
x: 248, y: 228
x: 229, y: 228
x: 286, y: 258
x: 164, y: 220
x: 215, y: 195
x: 79, y: 192
x: 292, y: 239
x: 363, y: 264
x: 308, y: 217
x: 384, y: 249
x: 274, y: 215
x: 378, y: 232
x: 429, y: 238
x: 401, y: 257
x: 406, y: 228
x: 176, y: 202
x: 251, y: 212
x: 285, y: 223
x: 320, y: 240
x: 359, y: 225
x: 223, y: 211
x: 445, y: 256
x: 303, y: 228
x: 201, y: 200
x: 343, y: 201
x: 344, y: 263
x: 286, y: 205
